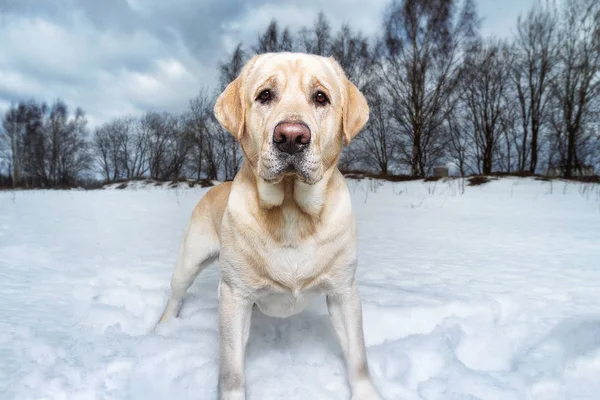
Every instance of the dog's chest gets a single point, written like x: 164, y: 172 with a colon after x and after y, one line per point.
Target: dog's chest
x: 294, y: 267
x: 291, y: 279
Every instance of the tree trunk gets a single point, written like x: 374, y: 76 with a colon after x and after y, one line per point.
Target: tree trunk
x: 570, y: 153
x: 534, y: 147
x: 16, y: 176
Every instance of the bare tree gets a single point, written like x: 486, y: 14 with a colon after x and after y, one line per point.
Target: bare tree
x: 509, y: 154
x: 458, y: 139
x: 577, y: 81
x: 55, y: 130
x: 135, y: 148
x: 287, y: 42
x: 5, y: 156
x: 531, y: 71
x: 14, y: 139
x: 108, y: 143
x: 268, y: 42
x: 377, y: 140
x: 75, y: 158
x: 24, y: 125
x: 486, y: 78
x: 197, y: 118
x: 316, y: 40
x: 47, y: 146
x: 67, y: 146
x: 356, y: 57
x: 169, y: 144
x: 424, y: 43
x: 271, y: 41
x: 101, y: 152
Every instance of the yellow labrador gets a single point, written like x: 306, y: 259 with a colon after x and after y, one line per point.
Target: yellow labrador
x: 283, y: 230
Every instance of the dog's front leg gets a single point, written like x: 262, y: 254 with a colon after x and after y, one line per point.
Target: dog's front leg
x: 346, y: 315
x: 235, y: 313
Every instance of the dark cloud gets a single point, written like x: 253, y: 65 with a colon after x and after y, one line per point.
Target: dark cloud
x: 114, y: 57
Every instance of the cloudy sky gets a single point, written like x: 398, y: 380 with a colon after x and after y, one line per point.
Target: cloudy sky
x: 117, y: 57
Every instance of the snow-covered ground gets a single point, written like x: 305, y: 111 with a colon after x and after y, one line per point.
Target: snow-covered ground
x: 493, y: 293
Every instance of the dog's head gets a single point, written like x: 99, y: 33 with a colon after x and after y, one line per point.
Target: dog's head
x: 290, y: 113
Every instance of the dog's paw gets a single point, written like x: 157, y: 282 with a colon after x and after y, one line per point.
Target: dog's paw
x: 171, y: 310
x: 233, y: 395
x: 365, y: 390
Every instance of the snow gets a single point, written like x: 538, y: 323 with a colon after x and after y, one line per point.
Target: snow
x: 484, y: 292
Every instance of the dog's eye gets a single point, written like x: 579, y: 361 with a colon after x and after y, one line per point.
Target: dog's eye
x: 321, y: 98
x: 265, y: 96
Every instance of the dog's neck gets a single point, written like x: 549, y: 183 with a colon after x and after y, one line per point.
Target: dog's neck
x: 310, y: 199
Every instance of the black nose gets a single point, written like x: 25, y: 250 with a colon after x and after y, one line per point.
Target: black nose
x: 291, y: 137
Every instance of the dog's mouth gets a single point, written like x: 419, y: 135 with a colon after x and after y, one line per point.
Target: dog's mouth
x: 275, y: 166
x: 289, y: 171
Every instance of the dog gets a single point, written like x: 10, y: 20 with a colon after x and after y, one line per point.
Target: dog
x: 283, y: 230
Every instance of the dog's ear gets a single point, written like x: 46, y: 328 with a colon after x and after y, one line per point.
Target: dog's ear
x: 355, y: 110
x: 230, y: 108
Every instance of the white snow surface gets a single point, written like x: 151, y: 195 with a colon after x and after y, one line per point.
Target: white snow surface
x: 490, y: 293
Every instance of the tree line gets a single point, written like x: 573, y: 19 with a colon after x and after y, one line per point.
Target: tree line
x: 439, y: 93
x: 45, y: 146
